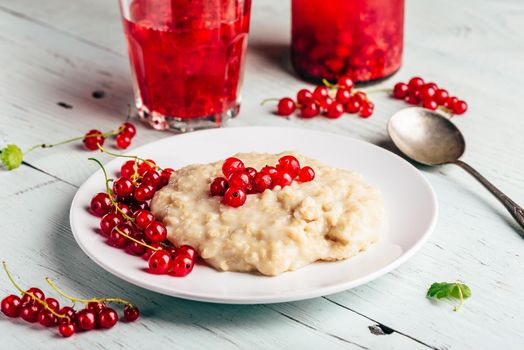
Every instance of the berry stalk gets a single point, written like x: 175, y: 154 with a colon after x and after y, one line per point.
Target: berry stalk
x: 87, y: 301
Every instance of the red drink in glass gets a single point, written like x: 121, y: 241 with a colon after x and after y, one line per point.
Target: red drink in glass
x: 187, y: 59
x: 359, y: 38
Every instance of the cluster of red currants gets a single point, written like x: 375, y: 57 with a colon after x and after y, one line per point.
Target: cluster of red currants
x: 33, y: 306
x: 124, y: 135
x: 333, y: 100
x: 429, y: 95
x: 239, y: 180
x: 128, y: 223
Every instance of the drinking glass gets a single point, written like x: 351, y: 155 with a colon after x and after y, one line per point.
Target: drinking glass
x: 187, y: 59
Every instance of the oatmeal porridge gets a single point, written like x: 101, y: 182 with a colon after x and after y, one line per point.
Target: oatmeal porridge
x: 333, y: 217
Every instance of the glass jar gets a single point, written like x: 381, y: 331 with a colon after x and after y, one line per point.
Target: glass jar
x: 362, y: 39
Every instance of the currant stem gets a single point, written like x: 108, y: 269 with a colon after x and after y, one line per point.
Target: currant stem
x: 86, y: 301
x: 136, y: 240
x: 47, y: 145
x: 117, y: 155
x: 34, y: 297
x: 268, y: 100
x: 328, y: 84
x: 461, y: 298
x: 110, y: 193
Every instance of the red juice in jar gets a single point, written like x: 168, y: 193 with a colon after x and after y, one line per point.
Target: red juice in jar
x: 359, y: 38
x: 187, y: 59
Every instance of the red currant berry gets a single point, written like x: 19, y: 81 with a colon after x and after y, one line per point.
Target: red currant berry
x: 367, y: 109
x: 107, y: 318
x: 415, y: 83
x: 441, y: 96
x: 123, y: 140
x: 240, y: 179
x: 182, y: 265
x: 156, y: 232
x: 232, y: 165
x: 218, y: 187
x: 431, y: 85
x: 450, y: 102
x: 270, y: 170
x: 150, y: 252
x: 262, y: 182
x: 46, y: 318
x: 320, y: 93
x: 326, y: 103
x: 96, y: 307
x: 92, y: 139
x: 100, y: 204
x: 345, y: 82
x: 286, y: 106
x: 335, y: 110
x: 124, y: 208
x: 86, y: 319
x: 251, y: 172
x: 306, y: 174
x: 69, y: 312
x: 108, y: 222
x: 305, y: 96
x: 187, y: 249
x: 427, y: 92
x: 460, y: 107
x: 128, y: 128
x: 143, y: 218
x: 131, y: 313
x: 343, y: 96
x: 159, y: 262
x: 289, y: 164
x: 143, y: 192
x: 37, y: 292
x: 353, y: 106
x: 430, y: 104
x: 166, y: 175
x: 283, y: 179
x: 29, y: 313
x: 412, y: 99
x: 66, y: 330
x: 400, y: 91
x: 118, y: 240
x: 11, y: 306
x: 309, y: 110
x: 145, y: 166
x: 135, y: 248
x: 128, y: 169
x: 123, y: 187
x: 52, y: 303
x: 152, y: 177
x: 234, y: 197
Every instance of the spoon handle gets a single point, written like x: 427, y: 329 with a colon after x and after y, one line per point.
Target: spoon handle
x: 514, y: 209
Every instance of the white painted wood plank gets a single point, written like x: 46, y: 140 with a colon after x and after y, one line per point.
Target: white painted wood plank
x: 472, y: 48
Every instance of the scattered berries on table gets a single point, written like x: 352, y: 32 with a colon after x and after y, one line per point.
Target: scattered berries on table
x: 32, y: 306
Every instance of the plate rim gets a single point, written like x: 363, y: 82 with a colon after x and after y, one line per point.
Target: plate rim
x: 316, y: 292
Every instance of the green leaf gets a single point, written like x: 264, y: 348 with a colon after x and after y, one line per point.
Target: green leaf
x: 441, y: 290
x: 11, y: 156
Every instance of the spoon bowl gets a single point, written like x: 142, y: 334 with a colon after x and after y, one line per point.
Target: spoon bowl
x: 425, y: 136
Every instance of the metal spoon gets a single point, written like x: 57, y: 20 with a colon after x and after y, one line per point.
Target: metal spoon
x: 429, y: 138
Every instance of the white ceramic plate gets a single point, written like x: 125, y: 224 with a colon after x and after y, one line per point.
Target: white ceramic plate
x: 410, y: 202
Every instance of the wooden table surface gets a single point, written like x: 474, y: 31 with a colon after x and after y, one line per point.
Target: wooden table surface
x: 55, y: 51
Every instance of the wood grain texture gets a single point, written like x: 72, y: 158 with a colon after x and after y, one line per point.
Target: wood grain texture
x: 58, y: 51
